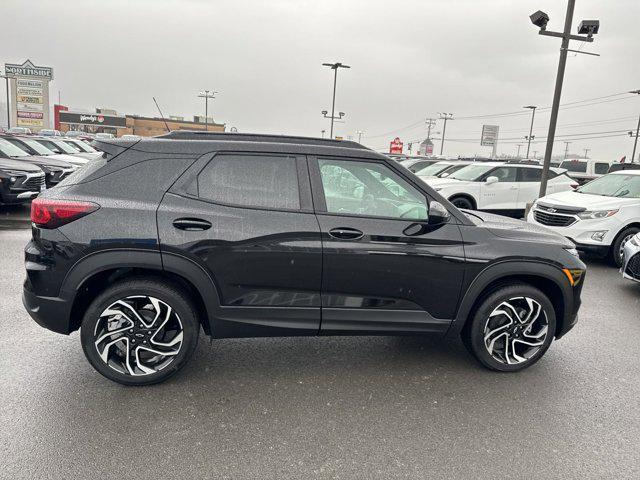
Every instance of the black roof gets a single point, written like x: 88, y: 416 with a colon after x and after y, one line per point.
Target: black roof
x: 189, y: 143
x: 257, y: 137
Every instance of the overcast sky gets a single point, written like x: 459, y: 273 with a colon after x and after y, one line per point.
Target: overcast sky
x: 410, y: 59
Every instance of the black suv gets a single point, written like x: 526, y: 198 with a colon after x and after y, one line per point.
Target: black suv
x: 256, y: 235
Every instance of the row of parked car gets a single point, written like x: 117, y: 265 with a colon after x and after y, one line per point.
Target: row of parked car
x: 50, y: 132
x: 30, y: 164
x: 594, y: 203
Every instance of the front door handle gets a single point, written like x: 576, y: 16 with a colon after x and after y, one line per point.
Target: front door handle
x: 191, y: 224
x: 346, y: 233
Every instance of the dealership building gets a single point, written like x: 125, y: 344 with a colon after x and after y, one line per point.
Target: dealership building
x: 109, y: 121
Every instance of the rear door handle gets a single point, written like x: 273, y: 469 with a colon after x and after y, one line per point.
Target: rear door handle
x: 346, y: 233
x: 191, y: 224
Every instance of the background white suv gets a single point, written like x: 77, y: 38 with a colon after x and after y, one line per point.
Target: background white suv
x: 497, y: 186
x: 599, y: 217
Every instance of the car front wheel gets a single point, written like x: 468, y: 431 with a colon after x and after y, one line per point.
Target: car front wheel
x: 617, y: 249
x: 512, y: 328
x: 139, y: 331
x: 462, y: 202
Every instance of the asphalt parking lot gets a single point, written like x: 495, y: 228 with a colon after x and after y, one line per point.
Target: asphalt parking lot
x: 379, y: 407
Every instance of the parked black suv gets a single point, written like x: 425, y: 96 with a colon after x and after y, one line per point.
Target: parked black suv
x: 255, y: 235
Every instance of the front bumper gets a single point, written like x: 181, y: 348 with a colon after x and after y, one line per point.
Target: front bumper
x: 581, y: 232
x: 631, y: 261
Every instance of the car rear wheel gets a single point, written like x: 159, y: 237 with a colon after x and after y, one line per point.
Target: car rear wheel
x: 512, y: 328
x: 139, y: 331
x: 463, y: 202
x: 617, y: 249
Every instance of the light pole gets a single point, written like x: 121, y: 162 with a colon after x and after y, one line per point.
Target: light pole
x: 6, y: 79
x: 530, y: 137
x: 518, y: 154
x: 586, y: 151
x: 445, y: 117
x: 635, y: 143
x: 535, y: 154
x: 323, y: 131
x: 586, y: 27
x: 207, y: 94
x: 566, y: 149
x: 334, y: 66
x: 359, y: 132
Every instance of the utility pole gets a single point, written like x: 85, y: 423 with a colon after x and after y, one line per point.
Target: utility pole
x: 431, y: 122
x: 6, y: 79
x: 207, y: 94
x: 566, y: 149
x: 635, y: 143
x: 586, y: 151
x: 334, y: 66
x: 445, y: 117
x: 530, y: 137
x: 586, y: 27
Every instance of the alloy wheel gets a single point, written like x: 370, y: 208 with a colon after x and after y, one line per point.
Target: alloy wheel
x: 516, y: 330
x: 622, y: 245
x: 138, y: 335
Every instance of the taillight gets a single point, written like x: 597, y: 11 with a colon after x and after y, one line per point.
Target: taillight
x: 47, y: 213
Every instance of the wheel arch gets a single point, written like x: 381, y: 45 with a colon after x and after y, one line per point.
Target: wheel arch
x: 94, y: 273
x: 468, y: 196
x: 547, y: 278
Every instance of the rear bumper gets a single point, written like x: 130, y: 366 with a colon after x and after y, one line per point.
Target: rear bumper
x: 52, y: 313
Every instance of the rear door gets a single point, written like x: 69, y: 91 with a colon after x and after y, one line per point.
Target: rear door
x: 247, y: 220
x: 529, y: 179
x: 502, y: 195
x: 378, y: 275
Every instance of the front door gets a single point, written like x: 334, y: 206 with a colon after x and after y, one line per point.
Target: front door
x: 248, y: 221
x: 379, y: 275
x: 501, y: 195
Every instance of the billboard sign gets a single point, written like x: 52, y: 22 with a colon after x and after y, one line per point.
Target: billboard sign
x: 30, y: 94
x: 489, y: 136
x: 98, y: 119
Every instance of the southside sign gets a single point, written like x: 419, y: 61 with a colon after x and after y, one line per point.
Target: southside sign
x: 28, y: 69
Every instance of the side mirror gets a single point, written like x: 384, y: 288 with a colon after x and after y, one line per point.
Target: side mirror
x: 491, y: 180
x: 438, y: 215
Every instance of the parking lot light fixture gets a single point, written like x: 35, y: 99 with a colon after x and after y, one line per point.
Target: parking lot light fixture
x: 530, y: 137
x: 334, y: 66
x: 445, y: 117
x: 635, y: 143
x: 587, y: 29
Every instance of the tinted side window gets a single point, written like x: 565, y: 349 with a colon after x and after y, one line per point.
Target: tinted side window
x: 268, y: 181
x: 531, y: 174
x: 504, y: 174
x: 601, y: 168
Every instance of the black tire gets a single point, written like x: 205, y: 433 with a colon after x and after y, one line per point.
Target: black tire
x: 463, y: 202
x: 167, y: 295
x: 473, y: 335
x: 615, y: 254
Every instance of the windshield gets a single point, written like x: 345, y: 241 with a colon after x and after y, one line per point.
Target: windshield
x: 10, y: 150
x: 574, y: 166
x: 433, y: 170
x: 450, y: 170
x: 72, y: 145
x: 471, y: 173
x: 38, y: 147
x: 85, y: 147
x: 618, y: 185
x: 58, y: 145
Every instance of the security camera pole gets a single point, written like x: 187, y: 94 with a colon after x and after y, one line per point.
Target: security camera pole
x: 530, y: 137
x: 334, y: 66
x: 445, y: 117
x: 540, y: 19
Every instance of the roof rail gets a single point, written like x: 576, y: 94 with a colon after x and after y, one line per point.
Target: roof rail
x: 257, y: 137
